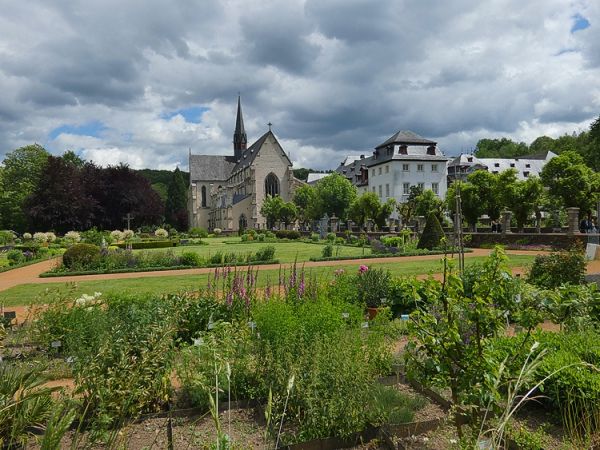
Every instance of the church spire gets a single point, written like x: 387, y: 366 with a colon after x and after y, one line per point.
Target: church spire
x: 240, y: 140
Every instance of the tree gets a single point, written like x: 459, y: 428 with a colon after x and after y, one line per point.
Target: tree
x: 60, y: 201
x: 407, y: 209
x: 385, y: 211
x: 500, y: 148
x: 592, y: 149
x: 71, y: 157
x: 335, y: 194
x: 365, y: 207
x: 485, y: 184
x: 270, y: 209
x: 305, y: 200
x: 20, y: 174
x: 542, y: 144
x: 432, y: 234
x: 471, y: 204
x: 572, y: 182
x: 526, y: 199
x: 427, y: 202
x: 288, y: 213
x: 176, y: 212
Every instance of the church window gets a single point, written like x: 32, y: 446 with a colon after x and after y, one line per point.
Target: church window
x: 243, y: 222
x: 204, y: 196
x: 271, y: 185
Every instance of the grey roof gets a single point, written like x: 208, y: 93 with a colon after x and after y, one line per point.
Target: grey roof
x: 210, y: 167
x: 407, y: 137
x: 248, y: 155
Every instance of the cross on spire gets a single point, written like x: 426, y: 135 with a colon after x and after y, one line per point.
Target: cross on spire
x: 270, y: 125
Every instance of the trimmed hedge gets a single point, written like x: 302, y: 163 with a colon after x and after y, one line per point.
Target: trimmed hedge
x: 287, y: 234
x: 422, y: 252
x: 432, y: 234
x: 143, y: 245
x: 151, y: 269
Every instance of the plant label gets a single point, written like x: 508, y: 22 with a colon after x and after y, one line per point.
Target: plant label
x: 252, y: 325
x: 365, y: 325
x: 197, y: 342
x: 56, y: 344
x: 345, y: 315
x: 404, y: 317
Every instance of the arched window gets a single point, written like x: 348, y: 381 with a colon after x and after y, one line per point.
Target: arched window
x: 271, y: 185
x: 204, y: 196
x: 243, y: 222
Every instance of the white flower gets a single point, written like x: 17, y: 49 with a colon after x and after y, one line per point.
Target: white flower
x: 27, y: 236
x: 87, y: 300
x: 50, y: 236
x: 116, y: 235
x: 128, y: 234
x: 217, y: 231
x: 161, y: 232
x: 453, y: 441
x: 39, y: 237
x: 73, y: 237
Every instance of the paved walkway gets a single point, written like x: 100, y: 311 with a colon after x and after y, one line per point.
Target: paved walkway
x: 30, y: 274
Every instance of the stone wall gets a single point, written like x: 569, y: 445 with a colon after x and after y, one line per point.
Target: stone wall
x: 556, y: 240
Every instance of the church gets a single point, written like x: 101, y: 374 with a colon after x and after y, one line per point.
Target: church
x: 227, y: 192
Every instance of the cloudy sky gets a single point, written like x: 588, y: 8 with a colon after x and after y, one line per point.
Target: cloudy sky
x: 141, y: 81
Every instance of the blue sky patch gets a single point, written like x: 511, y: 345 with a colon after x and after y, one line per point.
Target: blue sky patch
x: 579, y: 23
x: 193, y: 114
x: 87, y: 129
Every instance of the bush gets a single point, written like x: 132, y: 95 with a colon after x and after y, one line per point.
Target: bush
x: 327, y: 251
x: 6, y: 237
x: 141, y: 245
x: 315, y: 237
x: 265, y: 254
x: 81, y: 256
x: 93, y: 236
x: 331, y: 237
x: 373, y: 286
x: 15, y: 257
x: 270, y: 235
x: 198, y: 232
x: 287, y: 234
x: 217, y: 231
x: 550, y: 271
x: 261, y: 237
x: 432, y: 234
x: 190, y: 259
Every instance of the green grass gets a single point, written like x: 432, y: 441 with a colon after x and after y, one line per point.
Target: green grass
x: 284, y: 251
x: 37, y: 293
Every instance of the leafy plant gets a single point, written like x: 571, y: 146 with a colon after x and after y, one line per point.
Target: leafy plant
x: 550, y: 271
x: 432, y: 234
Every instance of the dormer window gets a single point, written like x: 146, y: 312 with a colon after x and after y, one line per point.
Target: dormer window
x: 469, y: 159
x: 403, y: 150
x: 527, y: 166
x: 431, y: 150
x: 512, y: 164
x: 496, y: 164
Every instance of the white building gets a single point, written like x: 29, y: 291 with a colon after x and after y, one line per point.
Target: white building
x: 526, y: 166
x: 404, y: 160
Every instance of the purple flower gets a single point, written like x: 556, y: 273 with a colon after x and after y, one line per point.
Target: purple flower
x: 229, y: 299
x: 362, y: 269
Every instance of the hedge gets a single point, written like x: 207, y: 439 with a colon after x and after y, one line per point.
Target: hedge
x: 287, y: 234
x: 422, y: 252
x: 142, y: 245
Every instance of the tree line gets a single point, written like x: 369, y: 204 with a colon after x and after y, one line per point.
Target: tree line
x: 39, y: 191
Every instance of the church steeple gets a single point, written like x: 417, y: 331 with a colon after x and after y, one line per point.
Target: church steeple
x: 240, y: 140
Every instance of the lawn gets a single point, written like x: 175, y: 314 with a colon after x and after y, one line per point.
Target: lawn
x: 284, y: 251
x: 36, y: 293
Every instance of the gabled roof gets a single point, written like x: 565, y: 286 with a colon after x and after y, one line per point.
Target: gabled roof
x: 248, y: 155
x: 407, y: 137
x: 210, y: 167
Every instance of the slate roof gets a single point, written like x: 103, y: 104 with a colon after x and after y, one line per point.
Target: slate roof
x: 211, y: 167
x: 407, y: 137
x: 248, y: 155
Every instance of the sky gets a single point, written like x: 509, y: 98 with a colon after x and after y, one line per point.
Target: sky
x: 144, y: 81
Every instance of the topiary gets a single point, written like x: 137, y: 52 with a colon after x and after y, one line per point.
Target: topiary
x: 432, y: 234
x: 81, y: 255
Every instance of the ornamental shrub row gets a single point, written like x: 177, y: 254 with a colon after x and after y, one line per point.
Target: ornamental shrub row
x: 143, y: 245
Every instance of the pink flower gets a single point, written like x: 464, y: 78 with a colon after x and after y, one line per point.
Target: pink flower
x: 362, y: 268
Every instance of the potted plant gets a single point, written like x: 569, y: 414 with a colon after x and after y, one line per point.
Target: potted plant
x: 373, y: 287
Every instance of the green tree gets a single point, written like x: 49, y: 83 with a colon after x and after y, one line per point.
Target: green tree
x: 471, y: 204
x: 21, y: 171
x: 335, y: 194
x: 71, y: 157
x: 485, y: 184
x: 592, y: 149
x: 526, y: 199
x: 427, y: 202
x: 288, y: 213
x: 385, y: 211
x: 271, y: 208
x: 500, y: 148
x: 407, y: 209
x: 177, y: 199
x: 305, y: 200
x: 364, y: 208
x: 572, y: 182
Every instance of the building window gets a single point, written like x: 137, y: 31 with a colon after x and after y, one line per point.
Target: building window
x: 435, y: 187
x: 373, y: 188
x: 373, y: 172
x: 496, y: 164
x: 431, y: 150
x: 405, y: 167
x: 527, y: 166
x: 421, y: 186
x: 512, y: 164
x: 434, y: 167
x: 526, y: 174
x: 406, y: 188
x: 403, y: 150
x: 419, y: 167
x: 387, y: 190
x: 379, y: 171
x: 380, y: 191
x: 387, y: 169
x: 271, y: 185
x: 203, y: 190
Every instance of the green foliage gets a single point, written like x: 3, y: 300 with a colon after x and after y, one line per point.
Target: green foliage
x: 305, y: 200
x: 315, y: 237
x: 525, y: 199
x: 500, y: 148
x: 275, y: 209
x: 408, y: 208
x: 554, y: 269
x: 191, y: 259
x: 373, y: 286
x: 265, y: 254
x: 427, y: 202
x: 81, y: 256
x: 141, y: 245
x: 390, y: 406
x: 15, y: 257
x: 6, y: 237
x: 472, y: 204
x: 365, y: 207
x: 198, y: 232
x: 176, y: 213
x: 95, y: 237
x: 288, y: 234
x: 334, y: 195
x: 327, y: 251
x: 24, y: 404
x: 432, y: 234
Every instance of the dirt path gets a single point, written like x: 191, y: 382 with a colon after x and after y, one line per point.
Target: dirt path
x: 25, y: 274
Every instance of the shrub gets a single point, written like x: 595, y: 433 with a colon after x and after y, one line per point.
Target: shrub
x: 265, y: 254
x: 116, y: 235
x: 327, y: 251
x: 6, y: 237
x: 161, y: 233
x: 261, y: 237
x: 27, y: 236
x: 432, y: 234
x: 72, y: 237
x: 315, y: 237
x: 190, y: 259
x: 15, y: 257
x: 244, y: 237
x: 93, y: 236
x: 40, y: 238
x: 269, y: 234
x: 141, y: 245
x: 50, y: 236
x: 81, y: 256
x: 331, y: 237
x: 550, y: 271
x: 287, y: 234
x: 217, y: 231
x: 198, y: 232
x: 373, y: 286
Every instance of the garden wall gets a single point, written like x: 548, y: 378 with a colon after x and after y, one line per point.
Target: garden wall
x: 556, y: 240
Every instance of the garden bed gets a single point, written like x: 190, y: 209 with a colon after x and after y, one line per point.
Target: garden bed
x: 387, y: 255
